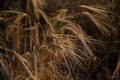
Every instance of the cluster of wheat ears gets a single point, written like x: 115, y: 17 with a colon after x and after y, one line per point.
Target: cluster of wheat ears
x: 38, y: 46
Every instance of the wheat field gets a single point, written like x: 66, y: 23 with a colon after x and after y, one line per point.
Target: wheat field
x: 57, y: 40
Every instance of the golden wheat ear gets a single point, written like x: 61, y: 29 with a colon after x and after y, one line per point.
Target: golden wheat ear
x: 99, y: 16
